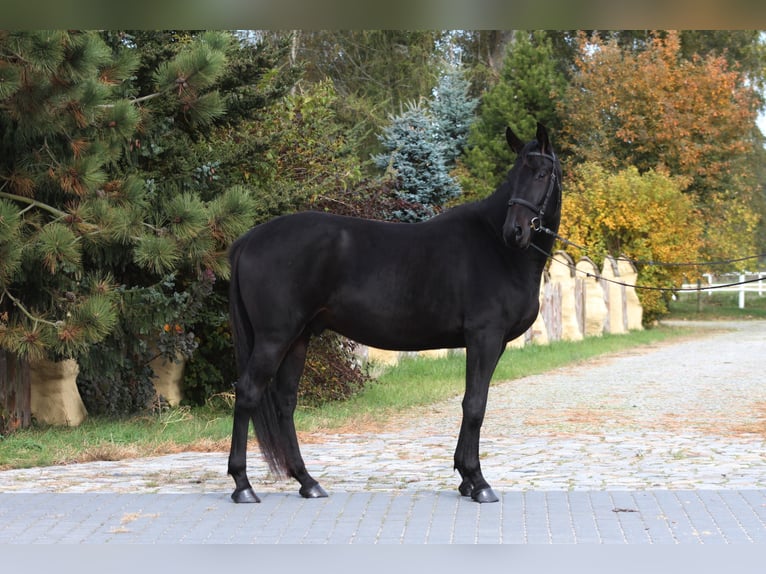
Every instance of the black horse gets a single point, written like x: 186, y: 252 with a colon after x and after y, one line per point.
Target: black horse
x: 465, y: 278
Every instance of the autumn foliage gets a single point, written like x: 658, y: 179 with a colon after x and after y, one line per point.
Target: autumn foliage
x: 666, y: 152
x: 645, y: 217
x: 655, y: 110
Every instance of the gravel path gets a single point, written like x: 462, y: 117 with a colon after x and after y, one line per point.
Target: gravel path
x: 686, y: 415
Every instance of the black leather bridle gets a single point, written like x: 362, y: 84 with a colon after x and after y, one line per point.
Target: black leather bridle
x: 539, y: 210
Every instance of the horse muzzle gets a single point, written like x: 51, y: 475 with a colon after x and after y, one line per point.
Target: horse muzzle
x: 518, y: 234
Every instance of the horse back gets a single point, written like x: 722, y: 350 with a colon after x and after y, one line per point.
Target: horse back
x: 389, y: 285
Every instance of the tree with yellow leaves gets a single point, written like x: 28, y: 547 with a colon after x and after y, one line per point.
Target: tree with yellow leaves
x: 692, y: 119
x: 645, y: 217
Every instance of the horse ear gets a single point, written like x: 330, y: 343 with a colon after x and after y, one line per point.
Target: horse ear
x: 542, y: 138
x: 513, y: 141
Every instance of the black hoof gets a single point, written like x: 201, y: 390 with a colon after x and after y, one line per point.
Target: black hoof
x: 246, y: 495
x: 315, y: 491
x: 484, y: 495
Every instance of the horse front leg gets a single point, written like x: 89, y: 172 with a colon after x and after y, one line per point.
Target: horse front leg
x: 481, y: 360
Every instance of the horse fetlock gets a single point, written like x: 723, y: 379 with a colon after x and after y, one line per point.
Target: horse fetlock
x: 466, y: 487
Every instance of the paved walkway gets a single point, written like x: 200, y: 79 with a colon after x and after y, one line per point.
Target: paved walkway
x: 665, y: 445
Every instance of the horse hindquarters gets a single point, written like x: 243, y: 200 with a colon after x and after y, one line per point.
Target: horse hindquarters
x: 271, y: 355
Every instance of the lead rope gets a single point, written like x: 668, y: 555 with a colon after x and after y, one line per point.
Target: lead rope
x: 644, y: 287
x: 538, y: 226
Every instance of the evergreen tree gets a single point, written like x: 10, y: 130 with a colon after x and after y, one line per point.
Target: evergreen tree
x: 80, y: 228
x: 453, y: 111
x: 525, y: 93
x: 62, y: 126
x: 422, y: 144
x: 417, y: 156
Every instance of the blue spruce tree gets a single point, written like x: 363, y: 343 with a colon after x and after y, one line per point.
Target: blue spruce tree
x: 418, y: 159
x: 423, y: 142
x: 453, y: 111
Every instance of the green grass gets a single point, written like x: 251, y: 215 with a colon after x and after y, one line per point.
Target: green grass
x: 420, y: 381
x: 414, y: 382
x: 114, y: 439
x: 717, y: 306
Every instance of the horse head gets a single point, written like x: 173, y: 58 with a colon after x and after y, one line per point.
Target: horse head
x: 535, y: 189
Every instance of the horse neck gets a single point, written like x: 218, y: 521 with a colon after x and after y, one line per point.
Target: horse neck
x: 493, y: 208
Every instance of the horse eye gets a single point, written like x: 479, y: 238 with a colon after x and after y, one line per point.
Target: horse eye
x: 542, y: 174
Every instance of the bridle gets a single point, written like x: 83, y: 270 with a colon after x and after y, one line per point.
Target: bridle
x: 537, y: 221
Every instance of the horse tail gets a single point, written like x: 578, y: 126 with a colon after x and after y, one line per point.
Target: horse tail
x: 265, y: 412
x: 273, y: 447
x: 241, y: 327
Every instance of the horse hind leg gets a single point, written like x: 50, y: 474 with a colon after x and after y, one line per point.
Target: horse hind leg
x: 243, y: 491
x: 288, y: 377
x: 249, y: 404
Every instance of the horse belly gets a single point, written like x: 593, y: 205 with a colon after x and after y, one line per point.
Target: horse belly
x: 394, y: 324
x: 400, y: 340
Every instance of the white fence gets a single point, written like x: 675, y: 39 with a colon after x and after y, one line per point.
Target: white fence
x: 741, y: 283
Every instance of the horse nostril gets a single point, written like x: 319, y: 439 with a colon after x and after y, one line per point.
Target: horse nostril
x: 518, y: 232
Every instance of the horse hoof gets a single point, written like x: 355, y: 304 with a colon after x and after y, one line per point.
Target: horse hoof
x: 484, y: 495
x: 466, y: 488
x: 315, y: 491
x: 246, y: 495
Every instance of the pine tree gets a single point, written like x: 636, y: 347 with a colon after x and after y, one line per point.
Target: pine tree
x: 524, y: 94
x: 79, y: 226
x: 62, y: 127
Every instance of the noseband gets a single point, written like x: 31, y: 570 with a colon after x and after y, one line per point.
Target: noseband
x: 537, y: 221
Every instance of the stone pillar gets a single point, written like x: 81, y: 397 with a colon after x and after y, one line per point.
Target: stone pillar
x: 594, y: 310
x: 538, y: 332
x: 633, y: 310
x: 433, y: 353
x: 382, y: 356
x: 614, y: 297
x: 562, y: 271
x: 168, y: 378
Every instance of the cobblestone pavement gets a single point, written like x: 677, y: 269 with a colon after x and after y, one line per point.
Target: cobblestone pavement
x: 666, y: 443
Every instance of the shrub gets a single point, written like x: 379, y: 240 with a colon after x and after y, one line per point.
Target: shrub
x: 643, y: 216
x: 332, y: 372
